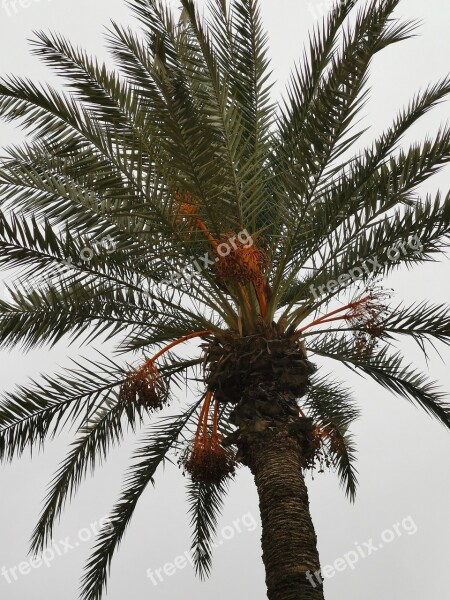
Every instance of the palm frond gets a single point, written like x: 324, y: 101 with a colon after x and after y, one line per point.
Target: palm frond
x: 102, y: 431
x: 31, y: 413
x: 389, y: 371
x: 330, y: 404
x: 344, y: 460
x: 421, y: 321
x: 160, y: 440
x: 205, y: 507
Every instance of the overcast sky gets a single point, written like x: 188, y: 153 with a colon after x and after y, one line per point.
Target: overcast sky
x: 404, y: 491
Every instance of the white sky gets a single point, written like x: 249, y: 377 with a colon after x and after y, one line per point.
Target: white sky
x: 401, y: 450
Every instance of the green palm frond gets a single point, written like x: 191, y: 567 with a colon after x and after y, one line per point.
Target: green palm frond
x: 29, y: 414
x: 344, y: 461
x: 82, y: 310
x: 410, y: 236
x: 205, y: 506
x: 319, y: 137
x: 96, y: 437
x: 389, y: 371
x: 421, y: 320
x: 112, y: 100
x: 330, y: 404
x: 153, y: 453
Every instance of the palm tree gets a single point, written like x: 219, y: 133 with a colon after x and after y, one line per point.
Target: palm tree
x: 256, y: 230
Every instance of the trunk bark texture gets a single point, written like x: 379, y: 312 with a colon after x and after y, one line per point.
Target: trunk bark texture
x: 289, y: 541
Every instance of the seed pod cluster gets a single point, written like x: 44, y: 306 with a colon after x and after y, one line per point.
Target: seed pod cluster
x: 144, y: 387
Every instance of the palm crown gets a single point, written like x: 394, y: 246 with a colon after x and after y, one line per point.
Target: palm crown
x: 247, y: 225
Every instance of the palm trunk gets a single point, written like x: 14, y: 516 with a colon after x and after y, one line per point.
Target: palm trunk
x: 268, y: 373
x: 289, y: 541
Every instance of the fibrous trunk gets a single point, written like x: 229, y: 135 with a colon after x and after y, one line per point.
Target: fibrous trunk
x: 289, y: 541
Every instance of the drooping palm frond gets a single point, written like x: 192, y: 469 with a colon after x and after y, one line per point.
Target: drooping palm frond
x: 31, y: 413
x: 160, y: 440
x: 205, y: 506
x: 343, y: 460
x: 389, y: 371
x: 330, y: 401
x: 330, y: 404
x: 206, y: 501
x: 103, y: 431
